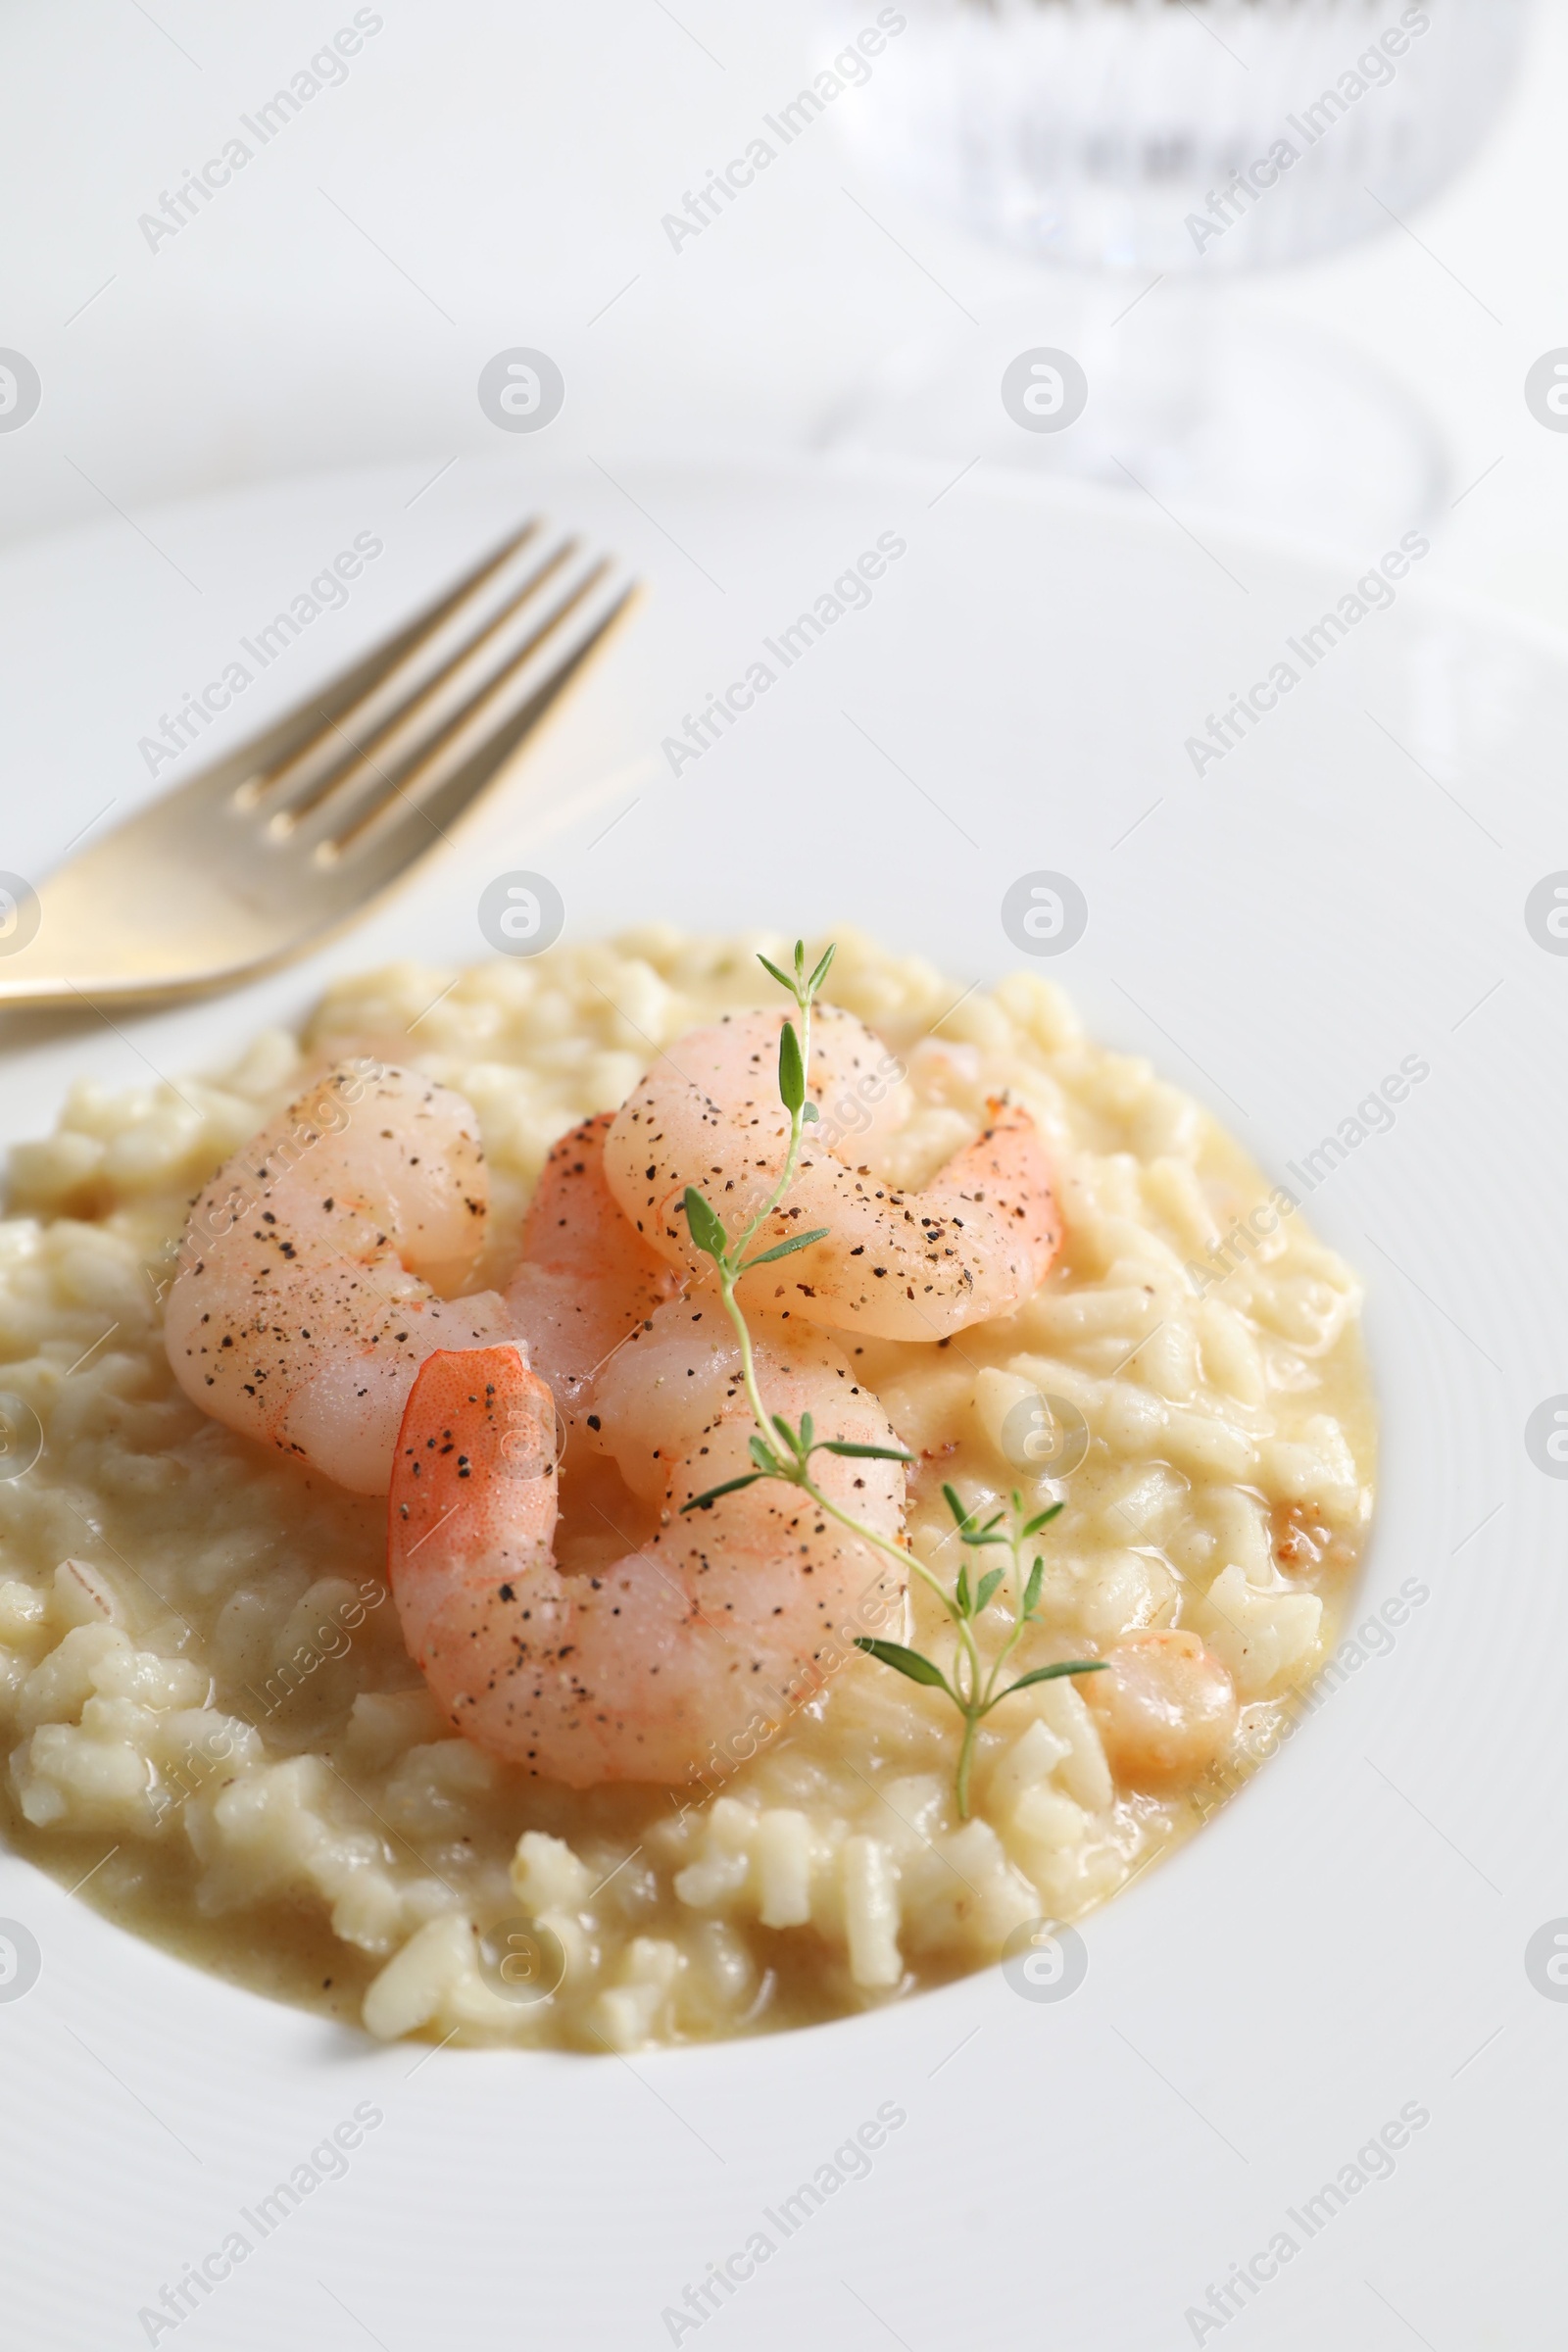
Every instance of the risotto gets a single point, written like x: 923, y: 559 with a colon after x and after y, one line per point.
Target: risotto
x: 206, y: 1697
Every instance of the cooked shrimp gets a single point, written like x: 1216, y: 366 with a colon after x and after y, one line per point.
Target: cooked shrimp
x: 899, y: 1265
x: 312, y: 1270
x: 587, y: 1277
x: 635, y: 1671
x: 1165, y: 1707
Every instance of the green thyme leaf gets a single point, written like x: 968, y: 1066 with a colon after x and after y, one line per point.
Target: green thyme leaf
x: 988, y: 1585
x: 799, y: 1241
x: 903, y: 1661
x: 1048, y: 1674
x: 1042, y: 1520
x: 706, y: 1229
x: 960, y: 1591
x: 766, y: 1460
x: 861, y: 1454
x: 705, y: 1502
x: 1031, y: 1590
x: 820, y: 973
x: 791, y: 1070
x: 969, y: 1526
x: 772, y: 969
x: 807, y: 1433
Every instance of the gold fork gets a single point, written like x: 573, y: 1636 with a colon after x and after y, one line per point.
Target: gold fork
x: 264, y: 852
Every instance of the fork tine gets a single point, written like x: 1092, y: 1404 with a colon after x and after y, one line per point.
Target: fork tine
x: 482, y: 709
x: 291, y: 739
x: 367, y: 743
x: 379, y: 835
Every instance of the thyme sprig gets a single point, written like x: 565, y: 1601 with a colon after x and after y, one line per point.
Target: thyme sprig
x: 969, y: 1683
x: 784, y: 1452
x: 729, y: 1256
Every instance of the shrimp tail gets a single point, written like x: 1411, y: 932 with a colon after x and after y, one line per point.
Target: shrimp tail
x: 1008, y: 1167
x: 473, y: 1499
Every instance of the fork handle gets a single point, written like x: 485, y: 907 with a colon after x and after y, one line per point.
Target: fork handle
x: 130, y: 919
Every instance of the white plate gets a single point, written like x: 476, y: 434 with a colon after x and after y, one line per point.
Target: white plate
x: 1344, y: 888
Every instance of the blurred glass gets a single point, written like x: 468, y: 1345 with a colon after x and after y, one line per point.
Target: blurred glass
x: 1089, y: 130
x: 1177, y: 142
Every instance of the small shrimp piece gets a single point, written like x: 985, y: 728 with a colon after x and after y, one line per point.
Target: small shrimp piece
x: 587, y: 1277
x: 898, y: 1265
x: 692, y: 1645
x: 312, y: 1270
x: 1165, y: 1708
x: 1303, y: 1541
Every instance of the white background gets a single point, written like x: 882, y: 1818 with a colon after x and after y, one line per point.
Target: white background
x: 493, y: 175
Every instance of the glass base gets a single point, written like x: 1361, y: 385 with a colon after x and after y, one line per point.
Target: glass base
x: 1207, y: 404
